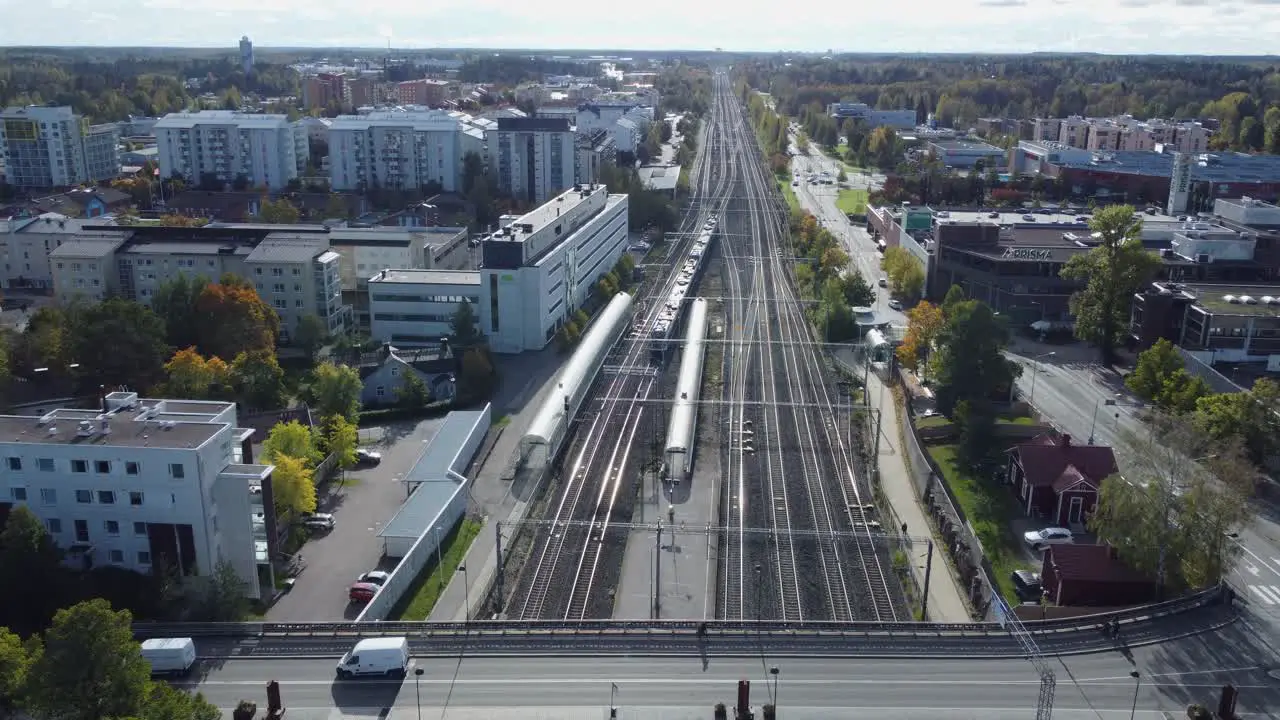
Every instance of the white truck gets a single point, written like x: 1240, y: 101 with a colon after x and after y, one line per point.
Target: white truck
x: 387, y: 656
x: 169, y: 656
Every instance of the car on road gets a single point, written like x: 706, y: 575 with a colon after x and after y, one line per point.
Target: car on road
x: 1041, y: 539
x: 361, y: 592
x: 318, y: 521
x: 884, y: 281
x: 895, y: 304
x: 368, y: 457
x: 375, y: 577
x: 1026, y: 585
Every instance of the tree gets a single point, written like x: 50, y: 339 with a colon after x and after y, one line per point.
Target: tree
x: 120, y: 342
x: 15, y: 662
x: 310, y: 335
x: 175, y: 303
x: 277, y: 212
x: 335, y: 208
x: 476, y: 378
x: 335, y: 390
x: 1182, y: 392
x: 1153, y: 368
x: 91, y: 667
x: 259, y: 380
x: 955, y: 295
x: 292, y: 439
x: 970, y: 357
x: 292, y: 486
x: 1247, y: 417
x: 413, y: 392
x: 1112, y: 273
x: 924, y: 322
x: 904, y: 271
x: 340, y: 438
x: 465, y: 326
x: 857, y: 291
x: 28, y: 555
x: 189, y: 376
x: 219, y: 597
x: 165, y: 702
x: 233, y: 319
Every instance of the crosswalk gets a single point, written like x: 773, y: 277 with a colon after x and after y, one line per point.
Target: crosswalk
x: 1265, y: 594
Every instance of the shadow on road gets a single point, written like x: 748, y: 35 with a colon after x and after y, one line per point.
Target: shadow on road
x: 1193, y: 670
x: 362, y: 695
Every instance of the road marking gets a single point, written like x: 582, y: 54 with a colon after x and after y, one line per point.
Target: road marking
x: 1255, y: 556
x: 1268, y: 594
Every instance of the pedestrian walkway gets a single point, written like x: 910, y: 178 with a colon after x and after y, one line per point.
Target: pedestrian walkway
x: 946, y: 602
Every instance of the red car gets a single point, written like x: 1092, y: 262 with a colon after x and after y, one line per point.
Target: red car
x: 362, y: 592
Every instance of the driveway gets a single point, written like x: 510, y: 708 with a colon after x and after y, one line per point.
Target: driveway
x: 362, y: 504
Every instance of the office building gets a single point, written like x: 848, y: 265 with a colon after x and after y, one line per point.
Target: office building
x: 226, y: 145
x: 967, y: 153
x: 532, y: 158
x: 246, y: 55
x: 141, y: 483
x: 415, y: 308
x: 401, y: 150
x: 364, y: 252
x: 861, y: 112
x: 49, y: 147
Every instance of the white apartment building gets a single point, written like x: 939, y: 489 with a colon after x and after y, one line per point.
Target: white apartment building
x: 25, y: 245
x: 394, y: 149
x: 532, y: 158
x: 48, y: 147
x: 1122, y: 133
x: 227, y: 145
x: 140, y: 480
x: 413, y: 308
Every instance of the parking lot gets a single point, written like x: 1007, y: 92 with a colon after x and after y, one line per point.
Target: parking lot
x: 361, y: 505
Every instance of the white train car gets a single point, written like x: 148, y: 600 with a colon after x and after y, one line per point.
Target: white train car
x: 682, y: 429
x: 549, y: 427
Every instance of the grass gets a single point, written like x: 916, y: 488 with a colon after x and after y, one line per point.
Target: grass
x: 422, y: 596
x: 1003, y: 419
x: 989, y: 507
x: 784, y: 185
x: 853, y: 201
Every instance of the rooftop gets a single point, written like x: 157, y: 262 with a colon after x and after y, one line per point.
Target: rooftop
x: 427, y: 277
x: 550, y: 211
x: 178, y: 121
x: 660, y: 178
x: 967, y: 146
x: 173, y: 424
x: 286, y: 248
x: 437, y: 475
x: 528, y: 124
x: 1094, y: 563
x: 1058, y: 463
x: 88, y: 246
x: 1219, y: 167
x: 1213, y: 298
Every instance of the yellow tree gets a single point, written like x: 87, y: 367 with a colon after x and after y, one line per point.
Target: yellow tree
x: 924, y: 322
x: 190, y: 376
x: 292, y: 486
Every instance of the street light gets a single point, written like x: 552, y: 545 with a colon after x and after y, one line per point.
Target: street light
x: 417, y: 688
x: 1035, y: 372
x: 1137, y: 683
x: 774, y: 672
x: 759, y: 583
x: 466, y: 593
x: 1109, y: 402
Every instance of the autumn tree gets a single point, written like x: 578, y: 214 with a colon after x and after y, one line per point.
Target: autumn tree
x: 292, y: 486
x: 340, y: 439
x: 91, y: 667
x: 1111, y: 273
x: 905, y: 273
x: 189, y: 376
x: 924, y: 322
x: 233, y: 319
x: 277, y: 212
x: 335, y: 390
x: 259, y: 380
x: 292, y: 439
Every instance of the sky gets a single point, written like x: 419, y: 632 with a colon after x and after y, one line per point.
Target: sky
x: 1234, y: 27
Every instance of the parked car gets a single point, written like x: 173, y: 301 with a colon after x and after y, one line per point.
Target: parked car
x: 376, y: 577
x: 318, y: 521
x: 895, y: 304
x: 367, y: 457
x: 1026, y: 585
x: 1041, y: 539
x: 362, y: 592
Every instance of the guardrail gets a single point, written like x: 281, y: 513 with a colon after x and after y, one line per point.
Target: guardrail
x: 318, y: 630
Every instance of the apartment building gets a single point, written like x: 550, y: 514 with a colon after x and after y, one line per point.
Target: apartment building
x: 626, y: 123
x: 593, y: 148
x: 25, y: 245
x: 532, y: 158
x: 49, y: 147
x: 226, y: 145
x: 1121, y: 133
x: 425, y: 91
x: 396, y: 149
x: 321, y: 90
x: 141, y: 482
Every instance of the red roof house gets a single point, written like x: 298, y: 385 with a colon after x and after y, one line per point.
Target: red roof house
x: 1057, y: 480
x: 1092, y: 575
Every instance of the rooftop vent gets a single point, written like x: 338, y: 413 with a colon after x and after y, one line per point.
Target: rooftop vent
x: 85, y: 429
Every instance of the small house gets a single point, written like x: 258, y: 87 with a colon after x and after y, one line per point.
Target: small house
x: 1093, y: 576
x: 1058, y: 480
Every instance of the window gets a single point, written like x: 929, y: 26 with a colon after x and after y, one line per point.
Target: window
x: 117, y: 557
x: 296, y: 271
x: 107, y: 497
x: 15, y: 463
x: 84, y: 497
x: 54, y: 525
x: 102, y: 467
x: 49, y: 496
x: 297, y: 303
x: 380, y: 391
x: 19, y: 494
x: 131, y: 468
x: 297, y: 287
x: 177, y: 471
x: 140, y: 528
x: 112, y: 527
x: 79, y: 466
x: 257, y: 271
x: 82, y: 531
x: 135, y: 498
x: 45, y: 464
x: 395, y: 371
x: 277, y: 272
x: 144, y: 557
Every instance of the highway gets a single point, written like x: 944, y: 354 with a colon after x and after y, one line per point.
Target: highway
x: 1093, y: 686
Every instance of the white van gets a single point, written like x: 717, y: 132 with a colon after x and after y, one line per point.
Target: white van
x: 169, y: 656
x: 376, y: 656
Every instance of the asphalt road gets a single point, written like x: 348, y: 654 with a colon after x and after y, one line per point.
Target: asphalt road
x: 1095, y: 686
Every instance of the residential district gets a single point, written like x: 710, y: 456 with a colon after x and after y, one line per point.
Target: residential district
x: 722, y: 354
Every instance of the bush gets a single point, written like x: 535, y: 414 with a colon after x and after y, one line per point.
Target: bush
x: 245, y: 710
x: 722, y: 713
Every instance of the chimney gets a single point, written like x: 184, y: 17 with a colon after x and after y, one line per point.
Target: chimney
x: 1064, y: 440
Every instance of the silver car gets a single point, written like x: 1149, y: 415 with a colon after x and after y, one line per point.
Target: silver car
x: 1041, y: 539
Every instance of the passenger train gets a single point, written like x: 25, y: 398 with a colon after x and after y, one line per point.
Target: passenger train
x: 665, y: 333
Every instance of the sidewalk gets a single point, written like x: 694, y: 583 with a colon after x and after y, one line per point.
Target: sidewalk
x: 946, y: 601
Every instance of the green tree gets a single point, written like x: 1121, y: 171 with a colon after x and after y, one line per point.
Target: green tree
x: 165, y: 702
x: 341, y: 439
x: 477, y: 377
x: 413, y: 392
x: 292, y: 486
x: 954, y: 297
x: 1247, y: 417
x: 1153, y: 368
x: 277, y: 212
x: 15, y: 662
x: 335, y: 390
x: 259, y: 380
x: 1181, y: 392
x: 28, y: 555
x: 310, y: 335
x: 120, y: 342
x: 292, y: 439
x: 1111, y: 273
x: 335, y: 208
x: 975, y: 423
x: 905, y: 273
x: 220, y: 597
x: 175, y: 303
x: 91, y: 667
x: 970, y: 360
x: 465, y: 326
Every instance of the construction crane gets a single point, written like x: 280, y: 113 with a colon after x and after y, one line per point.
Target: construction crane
x: 1048, y: 682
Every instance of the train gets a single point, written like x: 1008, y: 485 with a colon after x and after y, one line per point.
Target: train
x: 682, y: 429
x: 665, y: 332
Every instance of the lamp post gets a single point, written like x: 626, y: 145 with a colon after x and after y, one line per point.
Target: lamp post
x: 773, y: 670
x: 759, y: 584
x: 417, y: 689
x: 1100, y: 402
x: 1137, y: 683
x: 1035, y: 372
x: 466, y: 592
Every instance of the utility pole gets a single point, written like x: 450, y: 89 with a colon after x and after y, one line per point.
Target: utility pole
x: 928, y: 571
x: 497, y: 533
x: 1048, y: 682
x: 657, y: 573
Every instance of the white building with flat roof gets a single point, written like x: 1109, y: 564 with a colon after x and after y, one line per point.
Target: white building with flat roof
x: 48, y: 147
x: 413, y: 308
x: 533, y: 159
x: 227, y: 145
x: 140, y: 482
x: 25, y: 245
x: 398, y: 149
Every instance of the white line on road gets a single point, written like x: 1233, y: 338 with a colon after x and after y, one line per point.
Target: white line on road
x: 1261, y: 563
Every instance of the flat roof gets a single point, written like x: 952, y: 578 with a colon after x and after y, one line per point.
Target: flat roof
x: 427, y: 277
x: 435, y: 485
x: 126, y: 430
x: 1212, y: 297
x: 552, y: 210
x: 205, y: 247
x: 179, y: 121
x: 82, y: 246
x: 970, y: 145
x: 288, y: 249
x: 660, y: 178
x: 1013, y: 217
x: 1219, y: 167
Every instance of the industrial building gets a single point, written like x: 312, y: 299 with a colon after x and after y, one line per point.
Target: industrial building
x: 51, y: 147
x: 262, y: 150
x: 401, y: 150
x: 141, y: 482
x: 967, y: 153
x: 862, y: 112
x: 533, y: 159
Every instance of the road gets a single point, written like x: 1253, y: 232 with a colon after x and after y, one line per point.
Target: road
x: 1093, y: 686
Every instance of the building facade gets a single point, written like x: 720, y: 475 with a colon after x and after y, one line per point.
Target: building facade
x: 415, y: 308
x: 401, y: 150
x: 532, y: 158
x: 141, y: 484
x: 26, y: 244
x: 246, y: 55
x: 48, y: 147
x: 1121, y: 133
x: 226, y: 145
x: 898, y: 119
